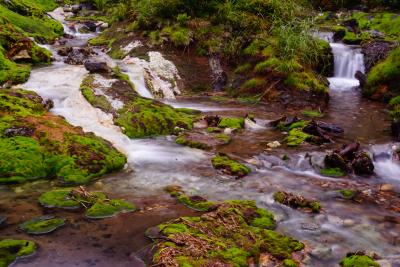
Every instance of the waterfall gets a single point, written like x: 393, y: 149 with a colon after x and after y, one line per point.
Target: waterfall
x: 348, y: 60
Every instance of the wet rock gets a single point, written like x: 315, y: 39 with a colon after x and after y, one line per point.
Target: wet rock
x: 212, y: 121
x: 91, y: 26
x: 218, y: 75
x: 229, y: 166
x: 95, y: 66
x: 42, y: 225
x: 274, y: 144
x: 349, y: 151
x: 322, y: 253
x: 361, y: 77
x: 352, y: 25
x: 314, y: 128
x: 375, y: 51
x: 386, y: 187
x: 64, y: 51
x: 19, y: 131
x: 200, y: 140
x: 78, y: 56
x: 48, y: 104
x: 362, y: 164
x: 335, y: 160
x: 297, y: 201
x: 330, y: 128
x: 22, y: 56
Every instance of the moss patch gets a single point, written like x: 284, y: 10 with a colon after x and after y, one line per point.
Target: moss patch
x: 229, y: 166
x: 197, y: 203
x: 46, y: 146
x: 358, y: 261
x: 109, y: 208
x: 296, y: 137
x: 42, y: 225
x: 233, y: 123
x: 332, y: 172
x: 225, y: 236
x: 11, y: 250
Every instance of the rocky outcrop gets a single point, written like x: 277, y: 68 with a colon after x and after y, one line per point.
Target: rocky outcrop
x: 374, y: 52
x: 95, y: 66
x: 78, y: 56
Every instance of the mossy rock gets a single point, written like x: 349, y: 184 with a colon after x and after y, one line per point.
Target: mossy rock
x: 348, y: 194
x: 224, y: 236
x: 197, y: 203
x: 312, y: 113
x: 109, y: 208
x: 297, y: 201
x: 232, y: 123
x: 358, y: 261
x: 60, y: 198
x: 42, y: 225
x: 227, y: 165
x: 201, y: 140
x: 297, y: 137
x: 11, y: 250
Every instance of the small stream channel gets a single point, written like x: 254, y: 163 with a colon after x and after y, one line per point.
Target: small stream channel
x: 343, y: 226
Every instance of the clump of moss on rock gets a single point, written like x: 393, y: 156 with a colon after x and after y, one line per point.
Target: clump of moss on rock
x: 296, y: 201
x: 229, y: 166
x: 197, y: 203
x: 11, y: 250
x: 97, y: 204
x: 200, y: 140
x: 231, y: 122
x: 358, y: 260
x: 228, y: 235
x: 35, y: 144
x: 333, y: 172
x: 42, y: 225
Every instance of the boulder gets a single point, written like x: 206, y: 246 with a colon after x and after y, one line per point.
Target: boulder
x: 334, y: 160
x: 22, y: 56
x: 361, y: 77
x: 91, y: 26
x: 78, y: 56
x: 64, y: 51
x: 95, y: 66
x: 362, y: 164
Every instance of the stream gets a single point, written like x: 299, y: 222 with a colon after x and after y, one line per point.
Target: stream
x: 154, y: 163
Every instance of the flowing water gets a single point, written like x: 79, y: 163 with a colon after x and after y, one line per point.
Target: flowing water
x: 343, y: 226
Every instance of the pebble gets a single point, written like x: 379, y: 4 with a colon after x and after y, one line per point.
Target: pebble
x: 98, y: 185
x: 274, y: 144
x: 348, y: 222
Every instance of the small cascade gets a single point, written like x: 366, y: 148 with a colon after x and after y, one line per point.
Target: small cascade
x: 385, y: 163
x: 348, y: 60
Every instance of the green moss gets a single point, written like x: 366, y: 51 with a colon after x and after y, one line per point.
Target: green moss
x: 109, y: 208
x: 332, y: 172
x: 97, y: 101
x: 188, y: 111
x: 145, y: 117
x: 385, y: 22
x: 347, y: 193
x: 229, y: 166
x: 358, y: 261
x: 289, y: 263
x: 42, y: 225
x: 253, y: 83
x: 60, y: 198
x: 263, y: 219
x: 182, y: 140
x: 296, y: 137
x: 351, y: 38
x: 384, y: 75
x: 223, y: 137
x: 224, y: 235
x: 243, y: 68
x: 233, y: 123
x: 312, y: 113
x: 306, y: 81
x: 11, y: 250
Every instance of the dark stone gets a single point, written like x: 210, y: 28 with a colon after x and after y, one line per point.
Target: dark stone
x: 91, y: 26
x: 212, y: 121
x: 334, y: 160
x: 48, y: 104
x: 338, y: 35
x: 362, y: 164
x: 331, y: 128
x: 375, y: 51
x: 78, y: 56
x: 19, y: 131
x: 361, y: 77
x: 94, y: 66
x: 348, y: 152
x: 314, y: 129
x: 64, y: 51
x: 396, y: 129
x: 351, y: 25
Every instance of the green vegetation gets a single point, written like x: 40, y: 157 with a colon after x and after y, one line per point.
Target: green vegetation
x: 358, y: 261
x: 233, y: 123
x: 45, y: 146
x: 194, y: 202
x: 228, y: 235
x: 333, y: 172
x: 11, y: 250
x: 347, y: 193
x: 185, y: 141
x: 42, y: 225
x: 229, y: 166
x: 312, y: 113
x: 97, y: 204
x: 296, y: 137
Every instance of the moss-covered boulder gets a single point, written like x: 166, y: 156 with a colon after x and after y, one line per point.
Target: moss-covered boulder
x: 96, y: 204
x: 229, y: 235
x: 35, y: 144
x: 297, y: 201
x: 358, y: 260
x: 42, y: 225
x: 137, y: 116
x: 229, y: 166
x: 202, y: 140
x: 11, y: 250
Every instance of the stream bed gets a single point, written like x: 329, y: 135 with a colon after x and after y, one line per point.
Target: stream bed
x: 154, y: 163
